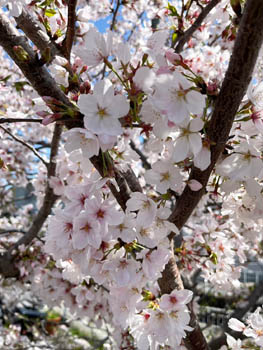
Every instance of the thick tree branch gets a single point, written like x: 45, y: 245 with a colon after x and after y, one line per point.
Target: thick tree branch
x: 34, y: 32
x: 33, y: 70
x: 132, y: 180
x: 70, y: 33
x: 237, y: 78
x: 236, y: 81
x: 22, y: 142
x: 182, y: 40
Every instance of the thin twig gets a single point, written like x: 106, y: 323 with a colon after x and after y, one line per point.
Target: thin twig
x: 115, y: 12
x: 143, y: 158
x: 7, y: 259
x: 190, y: 31
x: 134, y: 27
x: 70, y: 33
x: 49, y: 198
x: 19, y: 120
x: 26, y: 145
x: 10, y: 230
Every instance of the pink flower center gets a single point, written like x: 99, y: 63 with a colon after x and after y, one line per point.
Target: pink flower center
x: 100, y: 214
x: 173, y: 299
x: 86, y: 228
x: 68, y: 227
x: 146, y: 317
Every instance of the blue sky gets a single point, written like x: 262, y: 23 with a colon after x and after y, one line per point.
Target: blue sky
x: 102, y: 24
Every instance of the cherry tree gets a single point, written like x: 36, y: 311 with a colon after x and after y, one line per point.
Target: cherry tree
x: 144, y: 148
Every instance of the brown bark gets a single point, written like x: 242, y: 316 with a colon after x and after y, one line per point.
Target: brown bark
x: 70, y: 33
x: 182, y: 40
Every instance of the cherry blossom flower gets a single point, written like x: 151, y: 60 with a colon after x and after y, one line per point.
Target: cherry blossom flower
x: 83, y: 139
x: 82, y: 294
x: 257, y: 118
x: 244, y: 163
x: 103, y: 212
x: 95, y: 48
x: 232, y: 343
x: 60, y: 74
x: 122, y: 270
x: 145, y: 206
x: 125, y: 230
x: 255, y: 95
x: 189, y: 139
x: 175, y: 96
x: 154, y: 262
x: 202, y: 159
x: 164, y: 175
x: 144, y: 79
x: 194, y: 185
x: 86, y: 231
x: 236, y: 325
x: 176, y: 300
x: 103, y: 109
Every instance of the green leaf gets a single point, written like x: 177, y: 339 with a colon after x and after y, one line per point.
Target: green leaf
x: 213, y: 258
x: 6, y: 78
x: 173, y: 11
x: 174, y: 37
x: 47, y: 26
x: 58, y: 33
x: 50, y: 12
x: 19, y: 85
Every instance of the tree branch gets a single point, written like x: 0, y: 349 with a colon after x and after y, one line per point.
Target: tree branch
x: 144, y: 160
x: 10, y: 230
x: 31, y: 67
x: 19, y: 120
x: 7, y: 259
x: 34, y: 32
x: 134, y: 27
x: 182, y: 40
x: 70, y: 33
x: 236, y: 81
x: 115, y: 12
x: 237, y: 78
x: 31, y: 148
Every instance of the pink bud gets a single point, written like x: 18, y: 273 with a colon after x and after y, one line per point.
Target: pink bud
x: 42, y: 114
x: 51, y: 118
x: 171, y: 124
x: 83, y: 69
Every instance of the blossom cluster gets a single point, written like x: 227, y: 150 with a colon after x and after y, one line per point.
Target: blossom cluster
x: 143, y: 110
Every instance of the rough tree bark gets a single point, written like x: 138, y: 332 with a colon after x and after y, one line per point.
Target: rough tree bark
x: 236, y: 81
